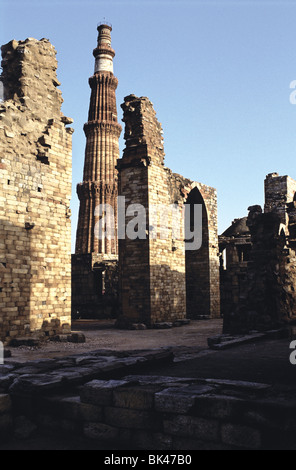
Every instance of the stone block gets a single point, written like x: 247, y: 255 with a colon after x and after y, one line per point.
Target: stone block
x: 100, y: 432
x: 6, y: 425
x: 188, y: 426
x: 5, y: 403
x: 133, y: 419
x: 71, y: 407
x: 24, y: 428
x: 218, y: 406
x: 151, y: 440
x: 179, y: 400
x: 137, y: 398
x: 100, y: 392
x: 241, y: 436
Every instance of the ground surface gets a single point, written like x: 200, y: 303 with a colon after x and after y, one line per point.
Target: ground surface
x: 265, y: 361
x: 103, y: 335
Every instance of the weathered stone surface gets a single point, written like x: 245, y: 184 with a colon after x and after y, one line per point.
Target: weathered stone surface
x: 72, y: 408
x: 156, y: 275
x: 5, y: 403
x: 241, y: 436
x: 200, y: 428
x: 139, y: 398
x: 218, y: 406
x: 179, y: 400
x: 132, y: 419
x: 35, y: 188
x: 101, y: 432
x: 100, y: 392
x: 24, y: 428
x: 152, y: 440
x: 263, y: 288
x: 35, y: 384
x: 6, y: 425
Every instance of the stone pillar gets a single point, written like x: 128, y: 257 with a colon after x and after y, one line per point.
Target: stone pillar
x: 99, y: 188
x: 152, y: 265
x: 102, y: 132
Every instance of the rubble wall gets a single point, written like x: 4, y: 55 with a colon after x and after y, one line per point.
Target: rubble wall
x: 35, y: 191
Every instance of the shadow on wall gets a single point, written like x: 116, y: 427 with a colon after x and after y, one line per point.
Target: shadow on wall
x: 198, y: 264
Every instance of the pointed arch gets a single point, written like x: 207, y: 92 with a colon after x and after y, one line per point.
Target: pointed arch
x: 198, y: 263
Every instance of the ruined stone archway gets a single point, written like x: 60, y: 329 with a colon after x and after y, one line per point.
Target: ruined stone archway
x: 197, y: 263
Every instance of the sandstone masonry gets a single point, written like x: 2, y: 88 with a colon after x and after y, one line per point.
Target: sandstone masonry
x: 154, y: 272
x: 35, y: 191
x: 267, y: 298
x: 95, y: 259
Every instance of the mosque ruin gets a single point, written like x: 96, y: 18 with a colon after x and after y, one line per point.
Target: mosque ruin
x: 145, y: 281
x: 35, y: 193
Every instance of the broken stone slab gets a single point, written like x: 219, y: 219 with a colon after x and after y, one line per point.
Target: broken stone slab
x: 160, y: 380
x: 35, y: 384
x: 239, y: 384
x: 90, y: 359
x: 214, y: 343
x: 133, y: 419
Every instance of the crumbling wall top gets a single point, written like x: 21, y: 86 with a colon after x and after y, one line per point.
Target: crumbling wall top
x: 142, y: 129
x: 29, y: 77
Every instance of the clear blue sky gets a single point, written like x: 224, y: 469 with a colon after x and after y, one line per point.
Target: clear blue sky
x: 217, y: 72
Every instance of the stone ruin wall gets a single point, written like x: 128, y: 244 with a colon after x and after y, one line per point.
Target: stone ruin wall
x: 269, y: 300
x: 152, y: 271
x: 35, y: 192
x: 279, y: 191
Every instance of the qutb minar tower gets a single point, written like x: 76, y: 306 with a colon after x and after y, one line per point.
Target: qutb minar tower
x: 94, y: 265
x: 102, y: 151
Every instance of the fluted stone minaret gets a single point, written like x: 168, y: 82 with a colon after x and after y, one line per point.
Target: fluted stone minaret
x: 101, y: 153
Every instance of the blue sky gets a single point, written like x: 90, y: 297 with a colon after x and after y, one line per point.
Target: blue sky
x: 217, y: 72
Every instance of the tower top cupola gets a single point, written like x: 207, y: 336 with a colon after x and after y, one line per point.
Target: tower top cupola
x: 104, y: 53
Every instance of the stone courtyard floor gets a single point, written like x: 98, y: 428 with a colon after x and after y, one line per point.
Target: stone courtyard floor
x: 263, y: 361
x: 101, y: 334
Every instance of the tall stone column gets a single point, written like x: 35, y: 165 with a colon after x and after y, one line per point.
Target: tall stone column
x: 94, y: 264
x: 102, y: 132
